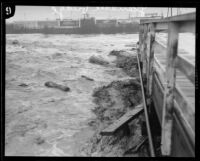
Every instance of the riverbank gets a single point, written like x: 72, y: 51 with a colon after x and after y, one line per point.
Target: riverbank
x: 112, y: 102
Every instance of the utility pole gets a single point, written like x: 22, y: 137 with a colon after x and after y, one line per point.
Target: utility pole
x: 168, y: 11
x: 171, y: 11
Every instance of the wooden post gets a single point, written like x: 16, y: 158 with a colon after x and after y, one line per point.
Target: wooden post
x: 151, y: 58
x: 167, y: 119
x: 147, y: 52
x: 142, y: 46
x: 140, y: 42
x: 144, y: 50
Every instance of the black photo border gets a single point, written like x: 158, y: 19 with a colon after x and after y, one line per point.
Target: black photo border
x: 91, y: 3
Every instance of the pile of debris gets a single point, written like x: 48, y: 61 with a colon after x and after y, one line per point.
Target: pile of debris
x: 126, y: 61
x: 113, y: 101
x: 98, y: 60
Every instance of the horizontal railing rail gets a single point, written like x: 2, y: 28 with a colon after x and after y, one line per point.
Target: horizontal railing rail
x: 186, y: 23
x: 182, y: 17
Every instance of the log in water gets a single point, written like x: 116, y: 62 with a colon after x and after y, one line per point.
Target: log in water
x: 58, y: 86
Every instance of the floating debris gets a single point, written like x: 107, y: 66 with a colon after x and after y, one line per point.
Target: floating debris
x: 58, y: 86
x: 116, y: 52
x: 98, y: 60
x: 90, y: 79
x: 23, y: 85
x: 127, y: 62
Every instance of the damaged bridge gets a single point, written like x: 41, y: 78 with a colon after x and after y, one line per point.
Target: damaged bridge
x: 167, y: 77
x: 170, y: 77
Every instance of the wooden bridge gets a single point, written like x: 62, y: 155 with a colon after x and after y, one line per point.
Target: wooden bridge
x: 167, y: 77
x: 170, y: 77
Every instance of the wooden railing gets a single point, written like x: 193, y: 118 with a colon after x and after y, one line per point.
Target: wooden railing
x: 162, y: 89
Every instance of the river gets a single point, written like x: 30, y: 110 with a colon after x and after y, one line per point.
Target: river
x: 43, y: 121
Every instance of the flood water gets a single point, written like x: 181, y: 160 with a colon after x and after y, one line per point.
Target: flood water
x: 43, y: 121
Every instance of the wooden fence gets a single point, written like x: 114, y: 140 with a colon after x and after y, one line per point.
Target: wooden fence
x: 175, y: 113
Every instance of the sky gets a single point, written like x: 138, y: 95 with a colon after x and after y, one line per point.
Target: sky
x: 48, y: 13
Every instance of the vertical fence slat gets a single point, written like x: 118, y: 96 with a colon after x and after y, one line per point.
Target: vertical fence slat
x: 147, y: 52
x: 167, y: 118
x: 140, y: 43
x: 151, y: 58
x: 144, y: 51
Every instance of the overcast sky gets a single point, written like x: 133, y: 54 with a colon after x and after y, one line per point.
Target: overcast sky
x: 46, y: 12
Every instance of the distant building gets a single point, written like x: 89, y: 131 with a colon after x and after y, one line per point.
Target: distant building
x: 48, y: 23
x: 106, y: 23
x: 69, y: 23
x: 87, y: 22
x: 125, y: 22
x: 37, y: 24
x: 26, y: 24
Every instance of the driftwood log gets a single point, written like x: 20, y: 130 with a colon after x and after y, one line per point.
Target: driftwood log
x: 90, y: 79
x: 58, y: 86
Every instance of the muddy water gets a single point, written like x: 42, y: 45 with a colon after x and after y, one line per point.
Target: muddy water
x: 43, y: 121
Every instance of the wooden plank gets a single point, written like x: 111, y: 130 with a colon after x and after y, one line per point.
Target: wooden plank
x: 140, y: 42
x: 118, y: 124
x: 189, y: 132
x: 186, y: 67
x: 185, y: 84
x: 182, y: 98
x: 182, y: 107
x: 180, y: 77
x: 147, y: 56
x: 185, y: 26
x: 167, y: 119
x: 151, y: 59
x: 160, y: 71
x: 142, y: 46
x: 181, y: 63
x: 158, y: 96
x: 144, y: 68
x: 187, y: 109
x: 181, y: 80
x: 162, y: 26
x: 181, y: 144
x: 182, y: 17
x: 185, y: 131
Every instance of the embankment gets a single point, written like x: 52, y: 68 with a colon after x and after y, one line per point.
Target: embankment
x: 112, y: 102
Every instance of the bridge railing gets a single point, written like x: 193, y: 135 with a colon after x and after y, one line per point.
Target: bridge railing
x: 161, y: 83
